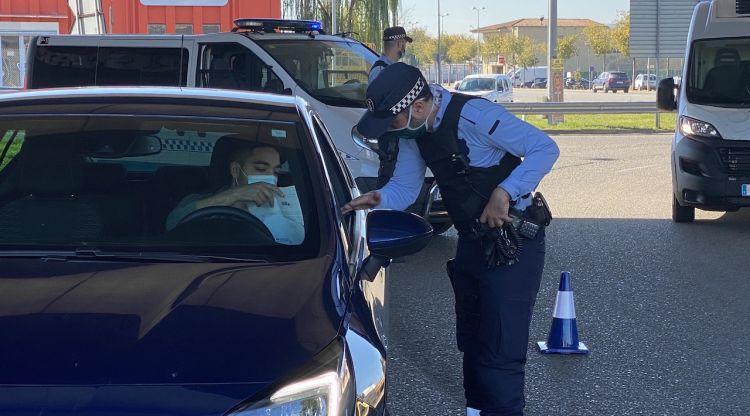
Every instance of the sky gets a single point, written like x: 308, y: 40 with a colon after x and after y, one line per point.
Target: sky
x: 461, y: 16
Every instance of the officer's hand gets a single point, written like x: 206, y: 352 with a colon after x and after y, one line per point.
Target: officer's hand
x: 496, y: 211
x: 365, y: 201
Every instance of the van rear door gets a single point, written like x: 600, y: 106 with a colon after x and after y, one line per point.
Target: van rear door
x: 74, y: 61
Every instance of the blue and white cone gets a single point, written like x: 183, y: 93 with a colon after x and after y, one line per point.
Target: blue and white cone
x: 563, y: 336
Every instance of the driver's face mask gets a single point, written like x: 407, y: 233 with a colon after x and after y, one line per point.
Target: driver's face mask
x: 251, y: 179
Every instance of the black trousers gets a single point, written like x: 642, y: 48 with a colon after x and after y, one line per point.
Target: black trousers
x: 493, y: 314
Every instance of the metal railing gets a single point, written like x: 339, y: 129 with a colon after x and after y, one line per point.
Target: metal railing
x: 582, y: 108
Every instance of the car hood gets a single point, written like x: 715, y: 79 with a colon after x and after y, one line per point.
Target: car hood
x: 732, y: 123
x: 98, y: 323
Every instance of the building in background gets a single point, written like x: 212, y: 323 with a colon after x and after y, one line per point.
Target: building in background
x: 20, y: 20
x: 536, y: 29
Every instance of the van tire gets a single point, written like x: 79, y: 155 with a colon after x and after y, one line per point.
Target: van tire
x: 682, y: 213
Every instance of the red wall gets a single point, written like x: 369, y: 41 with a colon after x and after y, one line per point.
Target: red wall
x: 130, y: 16
x: 37, y: 11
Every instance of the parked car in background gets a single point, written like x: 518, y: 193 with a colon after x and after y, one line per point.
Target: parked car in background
x: 539, y: 83
x: 611, y: 81
x: 524, y: 77
x: 641, y: 82
x: 572, y: 83
x: 107, y: 310
x: 494, y: 87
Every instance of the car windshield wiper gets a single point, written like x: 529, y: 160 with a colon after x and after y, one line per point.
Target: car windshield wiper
x: 92, y: 253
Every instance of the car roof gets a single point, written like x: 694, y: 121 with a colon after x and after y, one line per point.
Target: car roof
x: 210, y: 94
x: 488, y: 76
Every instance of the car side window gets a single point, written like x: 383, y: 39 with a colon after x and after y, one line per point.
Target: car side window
x: 233, y: 66
x: 10, y: 144
x: 338, y: 173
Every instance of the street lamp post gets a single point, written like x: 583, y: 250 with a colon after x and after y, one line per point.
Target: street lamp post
x: 437, y: 58
x: 440, y: 26
x: 479, y: 53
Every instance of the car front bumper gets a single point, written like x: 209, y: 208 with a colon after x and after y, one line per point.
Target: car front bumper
x: 710, y: 174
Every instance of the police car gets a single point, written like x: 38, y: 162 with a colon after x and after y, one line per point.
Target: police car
x: 105, y: 310
x: 289, y: 57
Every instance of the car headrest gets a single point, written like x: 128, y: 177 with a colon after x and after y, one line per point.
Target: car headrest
x: 727, y: 56
x: 50, y: 166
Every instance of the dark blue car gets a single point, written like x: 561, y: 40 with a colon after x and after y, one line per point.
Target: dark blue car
x: 131, y: 285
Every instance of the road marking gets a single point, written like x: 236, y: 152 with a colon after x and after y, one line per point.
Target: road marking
x: 639, y: 167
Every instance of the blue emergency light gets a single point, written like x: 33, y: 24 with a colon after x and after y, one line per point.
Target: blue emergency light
x: 277, y: 25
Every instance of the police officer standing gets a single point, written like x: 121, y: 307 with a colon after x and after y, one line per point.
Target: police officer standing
x: 474, y: 149
x: 394, y: 48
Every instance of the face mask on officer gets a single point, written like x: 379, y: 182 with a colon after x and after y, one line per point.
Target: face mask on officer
x: 412, y: 129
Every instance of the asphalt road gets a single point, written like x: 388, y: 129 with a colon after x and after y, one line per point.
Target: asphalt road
x: 662, y: 306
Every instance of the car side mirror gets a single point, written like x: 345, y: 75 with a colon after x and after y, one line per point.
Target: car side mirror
x: 392, y: 234
x: 665, y: 98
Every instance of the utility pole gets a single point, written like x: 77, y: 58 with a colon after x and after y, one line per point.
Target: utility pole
x: 479, y: 53
x: 551, y: 43
x: 334, y: 17
x: 440, y: 29
x: 437, y: 58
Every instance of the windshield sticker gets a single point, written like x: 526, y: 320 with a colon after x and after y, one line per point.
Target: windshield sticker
x: 279, y: 134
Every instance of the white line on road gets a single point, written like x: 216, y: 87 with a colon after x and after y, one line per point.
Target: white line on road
x: 639, y: 167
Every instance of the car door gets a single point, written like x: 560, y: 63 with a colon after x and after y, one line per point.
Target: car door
x: 232, y: 65
x: 353, y: 233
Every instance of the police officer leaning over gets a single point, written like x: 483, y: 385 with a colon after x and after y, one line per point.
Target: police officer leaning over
x: 474, y: 149
x: 394, y: 48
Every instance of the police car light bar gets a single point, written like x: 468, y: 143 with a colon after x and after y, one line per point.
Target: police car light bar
x: 277, y: 25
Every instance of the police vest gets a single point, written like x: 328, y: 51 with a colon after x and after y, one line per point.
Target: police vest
x: 465, y: 189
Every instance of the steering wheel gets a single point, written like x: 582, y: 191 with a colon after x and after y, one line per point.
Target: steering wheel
x: 352, y: 81
x: 229, y: 213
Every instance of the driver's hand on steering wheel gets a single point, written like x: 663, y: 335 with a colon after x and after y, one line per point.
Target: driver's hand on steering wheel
x: 258, y: 193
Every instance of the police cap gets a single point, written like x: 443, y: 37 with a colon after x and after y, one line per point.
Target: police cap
x: 396, y: 33
x: 392, y: 91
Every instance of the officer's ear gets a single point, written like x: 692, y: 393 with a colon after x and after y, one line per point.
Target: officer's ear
x: 420, y: 108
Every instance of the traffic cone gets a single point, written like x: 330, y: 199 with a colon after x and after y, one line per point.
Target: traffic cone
x: 563, y: 335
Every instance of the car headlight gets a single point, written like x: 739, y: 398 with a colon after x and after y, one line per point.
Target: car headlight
x: 322, y: 389
x: 695, y: 128
x: 362, y: 141
x: 369, y: 145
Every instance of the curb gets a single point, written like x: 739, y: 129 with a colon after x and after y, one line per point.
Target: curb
x: 613, y: 131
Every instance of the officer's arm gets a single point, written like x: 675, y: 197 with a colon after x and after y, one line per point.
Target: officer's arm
x: 507, y: 132
x: 374, y: 73
x: 404, y: 187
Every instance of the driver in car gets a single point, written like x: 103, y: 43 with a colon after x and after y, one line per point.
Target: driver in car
x: 254, y: 171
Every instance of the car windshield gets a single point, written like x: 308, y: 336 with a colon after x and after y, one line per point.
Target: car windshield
x: 477, y: 84
x: 109, y: 184
x: 719, y: 72
x: 619, y: 75
x: 332, y: 71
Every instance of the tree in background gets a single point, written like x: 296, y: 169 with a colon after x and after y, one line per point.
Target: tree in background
x: 566, y: 47
x: 621, y: 36
x: 424, y: 46
x: 599, y: 39
x: 459, y: 48
x: 518, y: 50
x: 366, y: 18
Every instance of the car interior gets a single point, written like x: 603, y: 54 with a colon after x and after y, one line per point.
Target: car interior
x: 117, y: 186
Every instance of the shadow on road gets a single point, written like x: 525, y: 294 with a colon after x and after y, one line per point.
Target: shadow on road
x: 660, y: 305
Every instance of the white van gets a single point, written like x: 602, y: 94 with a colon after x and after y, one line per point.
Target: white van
x: 524, y: 77
x: 494, y: 87
x: 711, y: 146
x: 280, y: 56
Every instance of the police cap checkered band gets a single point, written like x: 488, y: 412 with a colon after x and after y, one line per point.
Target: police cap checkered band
x: 395, y: 37
x: 409, y: 97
